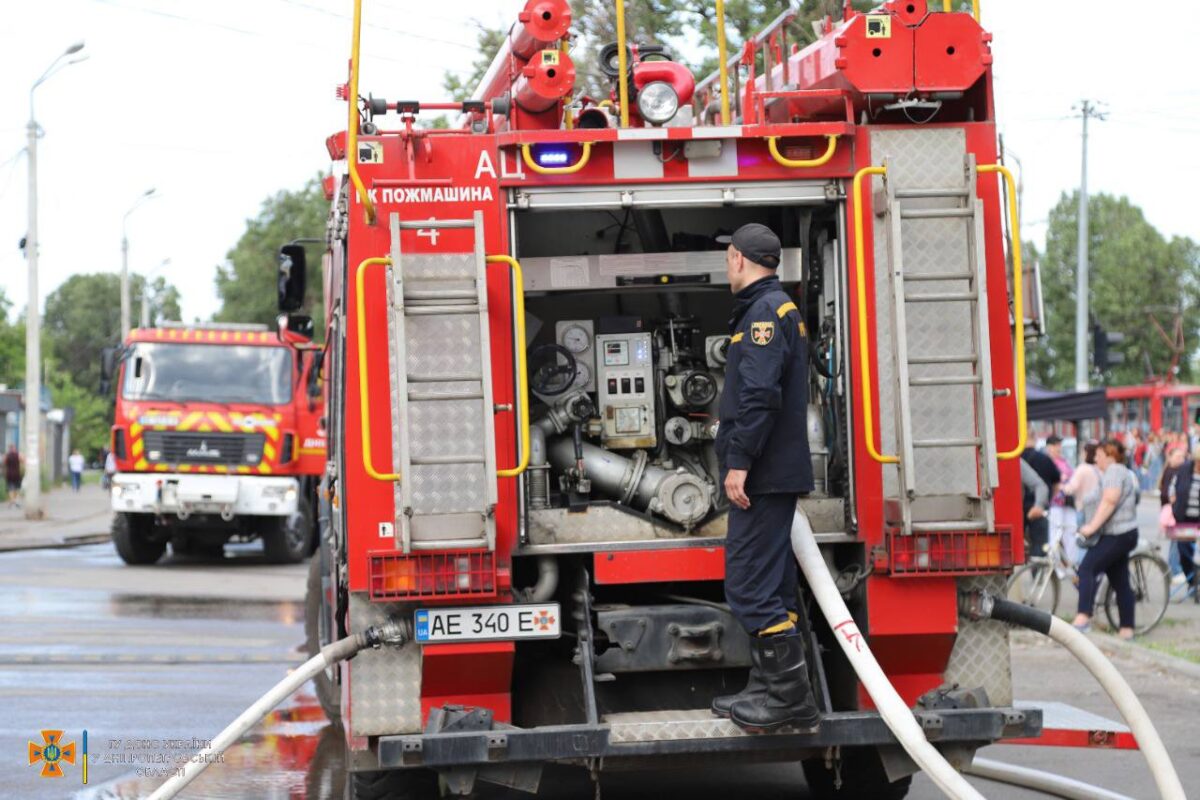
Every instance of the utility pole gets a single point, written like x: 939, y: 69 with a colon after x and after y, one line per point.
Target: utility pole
x: 1086, y: 109
x: 33, y: 317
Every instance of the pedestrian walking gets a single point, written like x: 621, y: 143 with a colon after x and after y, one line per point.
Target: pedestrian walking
x: 75, y: 467
x: 1185, y: 509
x: 1083, y: 487
x: 762, y: 447
x: 1063, y: 521
x: 110, y: 469
x: 1037, y: 517
x: 1109, y: 537
x: 14, y: 466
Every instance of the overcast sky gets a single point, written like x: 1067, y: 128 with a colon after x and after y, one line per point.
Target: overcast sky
x: 219, y: 104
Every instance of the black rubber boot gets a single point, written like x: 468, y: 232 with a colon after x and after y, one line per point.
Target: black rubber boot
x: 788, y: 699
x: 754, y: 687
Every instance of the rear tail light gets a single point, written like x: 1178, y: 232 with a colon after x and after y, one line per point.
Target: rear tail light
x: 949, y: 552
x: 450, y: 575
x: 119, y: 443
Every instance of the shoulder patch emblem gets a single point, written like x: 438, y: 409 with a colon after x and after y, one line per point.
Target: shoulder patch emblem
x: 761, y: 333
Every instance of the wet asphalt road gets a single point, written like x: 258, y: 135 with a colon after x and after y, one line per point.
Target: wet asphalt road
x: 154, y: 657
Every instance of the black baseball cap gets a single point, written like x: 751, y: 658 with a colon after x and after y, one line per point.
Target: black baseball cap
x: 756, y: 242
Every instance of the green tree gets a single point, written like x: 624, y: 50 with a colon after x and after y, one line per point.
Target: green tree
x: 246, y: 282
x: 91, y: 412
x: 1136, y: 277
x: 12, y: 346
x: 83, y: 316
x: 460, y: 87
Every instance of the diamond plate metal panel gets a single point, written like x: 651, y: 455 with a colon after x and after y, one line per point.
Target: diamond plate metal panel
x: 926, y: 159
x: 659, y: 726
x: 448, y: 488
x: 443, y: 345
x: 439, y: 267
x: 981, y: 655
x: 385, y: 684
x: 445, y: 427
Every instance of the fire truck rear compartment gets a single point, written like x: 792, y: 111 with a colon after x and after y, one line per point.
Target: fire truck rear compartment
x: 627, y: 328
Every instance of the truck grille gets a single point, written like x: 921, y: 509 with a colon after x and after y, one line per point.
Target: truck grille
x: 192, y: 447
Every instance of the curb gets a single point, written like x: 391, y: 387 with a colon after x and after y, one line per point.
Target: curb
x: 1113, y: 644
x: 57, y: 544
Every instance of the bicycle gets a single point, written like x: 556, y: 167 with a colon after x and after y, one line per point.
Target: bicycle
x: 1037, y: 584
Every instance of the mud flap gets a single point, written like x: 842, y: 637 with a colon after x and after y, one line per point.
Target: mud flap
x: 525, y: 777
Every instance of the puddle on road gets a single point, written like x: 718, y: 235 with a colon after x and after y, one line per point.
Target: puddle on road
x: 294, y: 753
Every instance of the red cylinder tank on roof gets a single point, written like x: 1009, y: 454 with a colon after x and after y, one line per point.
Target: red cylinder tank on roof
x: 539, y: 26
x: 900, y: 49
x: 545, y: 79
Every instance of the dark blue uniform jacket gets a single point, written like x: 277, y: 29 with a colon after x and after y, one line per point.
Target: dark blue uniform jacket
x: 764, y: 405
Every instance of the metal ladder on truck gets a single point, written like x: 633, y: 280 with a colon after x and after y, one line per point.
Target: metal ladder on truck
x: 951, y: 307
x: 443, y: 432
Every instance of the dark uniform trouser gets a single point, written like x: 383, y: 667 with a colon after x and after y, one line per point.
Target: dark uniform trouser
x: 760, y: 569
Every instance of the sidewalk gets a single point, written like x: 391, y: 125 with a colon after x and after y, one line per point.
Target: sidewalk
x: 71, y: 519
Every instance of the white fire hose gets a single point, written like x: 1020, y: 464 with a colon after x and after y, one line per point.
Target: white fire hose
x: 899, y: 718
x: 896, y: 714
x: 390, y: 633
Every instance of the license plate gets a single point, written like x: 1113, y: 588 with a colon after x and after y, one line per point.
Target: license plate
x: 488, y: 623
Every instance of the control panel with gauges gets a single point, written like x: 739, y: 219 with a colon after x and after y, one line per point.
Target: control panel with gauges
x: 625, y: 383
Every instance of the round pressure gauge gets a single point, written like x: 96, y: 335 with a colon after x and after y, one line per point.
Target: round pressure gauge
x: 576, y: 339
x: 583, y: 374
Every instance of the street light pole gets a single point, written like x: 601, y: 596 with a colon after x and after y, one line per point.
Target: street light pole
x: 1087, y: 109
x: 125, y: 301
x: 33, y: 319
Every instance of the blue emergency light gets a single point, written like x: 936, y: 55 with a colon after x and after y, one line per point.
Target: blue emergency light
x: 552, y: 156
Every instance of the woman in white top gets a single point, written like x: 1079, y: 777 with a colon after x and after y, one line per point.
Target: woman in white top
x: 1083, y: 483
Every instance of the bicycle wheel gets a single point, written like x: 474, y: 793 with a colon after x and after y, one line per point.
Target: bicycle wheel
x: 1035, y: 585
x: 1150, y: 578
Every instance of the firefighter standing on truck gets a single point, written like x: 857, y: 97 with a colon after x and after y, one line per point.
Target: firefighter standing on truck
x: 762, y: 444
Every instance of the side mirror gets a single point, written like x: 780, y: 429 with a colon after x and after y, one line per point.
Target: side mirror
x: 108, y: 368
x: 314, y: 374
x: 293, y: 274
x: 295, y: 328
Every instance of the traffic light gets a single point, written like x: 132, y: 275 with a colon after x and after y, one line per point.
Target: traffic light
x: 1103, y: 356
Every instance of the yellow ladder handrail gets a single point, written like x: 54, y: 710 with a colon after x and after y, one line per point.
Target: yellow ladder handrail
x: 364, y: 405
x: 1018, y: 314
x: 860, y: 277
x: 819, y: 161
x: 722, y: 58
x: 1018, y: 311
x: 352, y: 124
x: 522, y: 366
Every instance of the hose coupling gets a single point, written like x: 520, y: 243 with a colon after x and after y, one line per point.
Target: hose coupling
x: 392, y: 633
x: 976, y: 605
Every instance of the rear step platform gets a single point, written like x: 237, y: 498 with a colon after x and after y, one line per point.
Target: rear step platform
x: 690, y: 731
x: 1067, y: 726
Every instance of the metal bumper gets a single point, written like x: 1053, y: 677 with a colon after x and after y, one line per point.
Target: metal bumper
x: 665, y: 733
x: 185, y: 494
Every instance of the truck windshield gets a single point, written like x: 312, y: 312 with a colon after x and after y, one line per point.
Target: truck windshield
x: 208, y: 373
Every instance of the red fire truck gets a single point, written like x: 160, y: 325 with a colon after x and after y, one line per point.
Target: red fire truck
x: 527, y: 332
x: 217, y: 437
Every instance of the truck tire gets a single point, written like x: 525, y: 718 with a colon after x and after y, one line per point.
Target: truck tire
x: 288, y: 540
x: 131, y: 536
x: 329, y: 695
x: 392, y: 784
x: 862, y: 774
